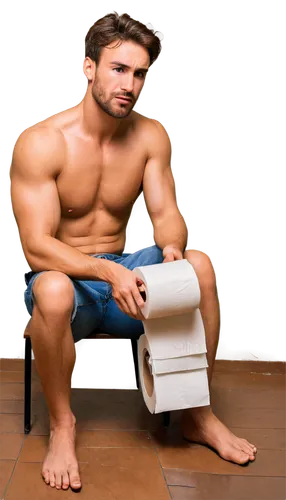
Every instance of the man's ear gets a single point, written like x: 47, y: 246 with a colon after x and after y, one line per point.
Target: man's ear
x: 89, y: 68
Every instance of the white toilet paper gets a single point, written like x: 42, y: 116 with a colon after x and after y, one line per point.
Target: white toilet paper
x: 172, y: 360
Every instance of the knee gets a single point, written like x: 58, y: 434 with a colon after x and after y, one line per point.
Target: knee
x: 53, y: 291
x: 203, y: 268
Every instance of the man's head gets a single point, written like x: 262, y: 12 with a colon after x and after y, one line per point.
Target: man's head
x: 118, y: 53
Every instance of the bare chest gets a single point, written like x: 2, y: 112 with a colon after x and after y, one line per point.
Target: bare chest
x: 95, y: 179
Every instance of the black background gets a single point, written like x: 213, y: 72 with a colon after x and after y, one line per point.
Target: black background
x: 201, y: 87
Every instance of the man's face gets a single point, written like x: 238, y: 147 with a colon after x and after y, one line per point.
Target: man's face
x: 121, y: 72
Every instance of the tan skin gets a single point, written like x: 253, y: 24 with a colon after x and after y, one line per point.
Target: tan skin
x: 74, y: 179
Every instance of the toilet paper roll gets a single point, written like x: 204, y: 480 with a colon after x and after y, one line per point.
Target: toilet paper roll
x: 170, y: 391
x: 172, y: 288
x: 172, y: 360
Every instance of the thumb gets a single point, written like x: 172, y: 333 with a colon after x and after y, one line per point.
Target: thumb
x: 169, y: 257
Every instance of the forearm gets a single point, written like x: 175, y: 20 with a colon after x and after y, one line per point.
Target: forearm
x: 171, y: 230
x: 53, y: 255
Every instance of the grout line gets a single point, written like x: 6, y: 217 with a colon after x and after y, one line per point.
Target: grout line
x: 16, y: 461
x: 162, y: 470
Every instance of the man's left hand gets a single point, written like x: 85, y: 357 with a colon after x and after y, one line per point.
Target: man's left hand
x: 171, y: 253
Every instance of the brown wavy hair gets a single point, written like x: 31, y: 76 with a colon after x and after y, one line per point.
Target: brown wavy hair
x: 122, y: 28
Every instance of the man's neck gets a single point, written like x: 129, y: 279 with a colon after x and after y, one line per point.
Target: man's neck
x: 95, y: 122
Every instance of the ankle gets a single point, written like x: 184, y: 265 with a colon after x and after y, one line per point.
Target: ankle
x: 62, y: 421
x: 197, y: 414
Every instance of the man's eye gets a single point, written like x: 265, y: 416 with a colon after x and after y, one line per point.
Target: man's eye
x: 118, y: 68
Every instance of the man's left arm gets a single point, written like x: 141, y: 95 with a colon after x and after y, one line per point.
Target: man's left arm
x: 170, y: 230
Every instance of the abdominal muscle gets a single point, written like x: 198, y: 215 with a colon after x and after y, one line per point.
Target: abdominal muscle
x: 96, y: 232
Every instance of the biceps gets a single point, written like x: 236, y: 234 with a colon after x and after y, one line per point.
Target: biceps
x: 159, y: 190
x: 36, y: 208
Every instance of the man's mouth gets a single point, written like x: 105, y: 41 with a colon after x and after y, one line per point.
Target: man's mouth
x: 123, y: 99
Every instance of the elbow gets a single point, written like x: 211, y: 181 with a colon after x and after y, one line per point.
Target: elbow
x: 171, y: 227
x: 33, y: 261
x: 26, y: 254
x: 34, y: 251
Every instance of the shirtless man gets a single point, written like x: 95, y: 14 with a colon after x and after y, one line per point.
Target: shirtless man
x: 74, y: 179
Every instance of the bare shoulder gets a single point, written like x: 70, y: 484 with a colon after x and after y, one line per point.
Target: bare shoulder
x: 153, y: 135
x: 40, y: 147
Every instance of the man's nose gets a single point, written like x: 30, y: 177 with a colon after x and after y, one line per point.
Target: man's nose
x: 128, y: 83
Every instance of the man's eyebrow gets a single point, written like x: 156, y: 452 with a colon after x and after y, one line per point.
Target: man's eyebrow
x: 128, y: 67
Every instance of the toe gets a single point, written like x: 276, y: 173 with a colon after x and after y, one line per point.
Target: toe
x: 236, y: 455
x: 74, y: 478
x: 58, y: 480
x: 252, y: 446
x: 66, y: 482
x: 46, y: 475
x: 246, y: 447
x: 241, y: 457
x: 52, y: 479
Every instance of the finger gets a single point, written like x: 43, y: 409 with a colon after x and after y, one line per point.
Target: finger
x: 138, y: 297
x: 131, y: 304
x: 122, y: 306
x: 169, y: 258
x: 143, y: 296
x: 140, y: 315
x: 134, y: 302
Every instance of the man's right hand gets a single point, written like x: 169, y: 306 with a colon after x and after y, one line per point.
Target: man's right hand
x: 125, y: 291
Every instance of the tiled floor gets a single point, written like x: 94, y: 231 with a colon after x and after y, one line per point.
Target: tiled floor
x: 125, y: 453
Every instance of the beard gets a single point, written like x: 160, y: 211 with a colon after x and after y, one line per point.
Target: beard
x: 106, y: 104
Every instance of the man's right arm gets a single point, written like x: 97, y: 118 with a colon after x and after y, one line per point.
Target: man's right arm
x: 38, y: 158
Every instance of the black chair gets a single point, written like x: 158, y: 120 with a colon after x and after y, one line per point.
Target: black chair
x: 28, y: 374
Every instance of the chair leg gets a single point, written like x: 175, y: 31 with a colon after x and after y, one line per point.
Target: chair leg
x: 135, y: 359
x: 28, y: 383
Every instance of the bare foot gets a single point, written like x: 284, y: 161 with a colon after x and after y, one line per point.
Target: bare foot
x: 202, y: 426
x: 60, y: 467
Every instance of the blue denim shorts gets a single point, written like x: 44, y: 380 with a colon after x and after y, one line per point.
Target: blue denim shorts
x: 94, y: 309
